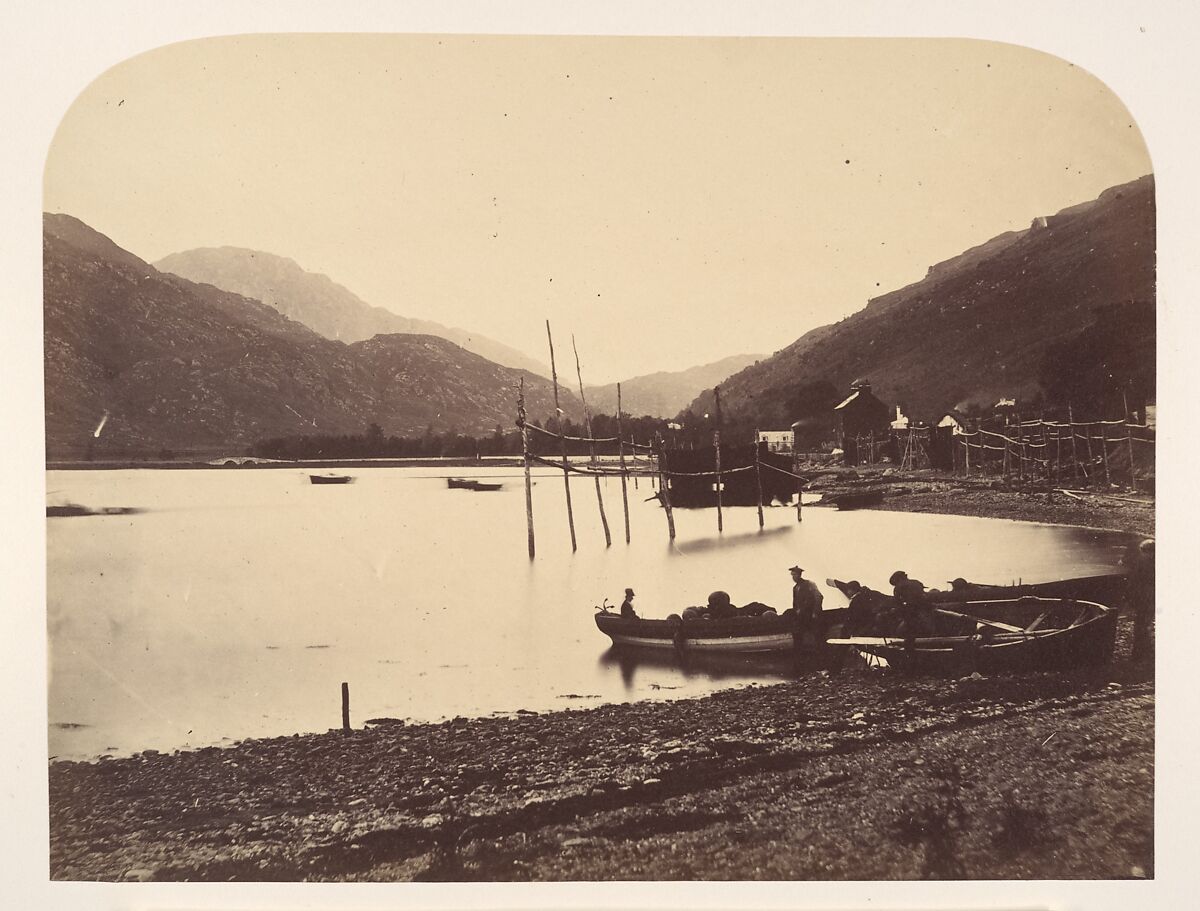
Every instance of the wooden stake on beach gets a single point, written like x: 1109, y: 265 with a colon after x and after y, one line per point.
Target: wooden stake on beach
x: 345, y: 708
x: 562, y: 439
x: 621, y: 456
x: 521, y: 417
x: 587, y: 424
x: 663, y: 486
x: 717, y: 447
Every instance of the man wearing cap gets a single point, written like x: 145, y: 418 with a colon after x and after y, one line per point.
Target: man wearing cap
x: 806, y: 602
x: 627, y: 605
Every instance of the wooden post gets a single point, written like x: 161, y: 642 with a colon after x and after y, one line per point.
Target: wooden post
x: 1074, y: 450
x: 967, y: 454
x: 758, y: 480
x: 1129, y: 439
x: 621, y: 456
x: 1057, y: 453
x: 1104, y: 449
x: 1020, y: 452
x: 717, y: 447
x: 562, y: 439
x: 799, y: 481
x: 587, y: 423
x: 345, y: 708
x: 871, y: 458
x: 528, y: 480
x: 664, y: 487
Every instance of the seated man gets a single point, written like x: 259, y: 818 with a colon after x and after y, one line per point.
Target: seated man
x: 627, y: 610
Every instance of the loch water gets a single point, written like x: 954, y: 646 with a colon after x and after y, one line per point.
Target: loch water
x: 235, y: 602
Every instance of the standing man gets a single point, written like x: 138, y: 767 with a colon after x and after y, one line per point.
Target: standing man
x: 627, y: 610
x: 806, y: 602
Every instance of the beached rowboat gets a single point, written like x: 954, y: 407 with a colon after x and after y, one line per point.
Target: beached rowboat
x: 331, y: 478
x: 996, y: 637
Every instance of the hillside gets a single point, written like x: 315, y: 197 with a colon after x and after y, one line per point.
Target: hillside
x: 183, y: 366
x: 664, y: 394
x: 320, y: 303
x: 980, y: 325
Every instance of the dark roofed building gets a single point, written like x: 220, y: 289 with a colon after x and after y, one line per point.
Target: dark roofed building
x: 860, y: 413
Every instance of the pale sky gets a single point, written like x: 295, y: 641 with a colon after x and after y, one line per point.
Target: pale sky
x: 670, y: 201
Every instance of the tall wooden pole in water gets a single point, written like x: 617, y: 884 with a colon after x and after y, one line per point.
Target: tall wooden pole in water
x: 758, y: 479
x: 562, y: 439
x: 587, y: 423
x: 799, y: 480
x: 717, y: 447
x: 664, y: 491
x: 525, y: 452
x: 621, y: 456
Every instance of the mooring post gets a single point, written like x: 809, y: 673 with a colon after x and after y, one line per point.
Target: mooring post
x: 345, y: 708
x: 525, y: 452
x: 799, y: 480
x: 1104, y: 450
x: 587, y: 423
x: 664, y: 491
x: 621, y: 456
x: 1074, y: 450
x: 758, y: 479
x: 562, y: 439
x: 717, y: 447
x: 1129, y: 439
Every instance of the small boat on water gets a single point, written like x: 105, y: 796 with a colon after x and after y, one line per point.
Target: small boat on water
x: 471, y: 484
x: 1001, y: 636
x: 331, y: 478
x: 765, y: 633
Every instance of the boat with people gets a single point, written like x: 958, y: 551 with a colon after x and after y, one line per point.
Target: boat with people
x: 331, y: 478
x: 472, y: 484
x: 1107, y: 588
x: 998, y: 636
x: 767, y: 631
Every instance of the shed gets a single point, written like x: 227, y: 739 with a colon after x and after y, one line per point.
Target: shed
x: 860, y: 413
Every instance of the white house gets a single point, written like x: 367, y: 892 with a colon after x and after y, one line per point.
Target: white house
x: 776, y: 440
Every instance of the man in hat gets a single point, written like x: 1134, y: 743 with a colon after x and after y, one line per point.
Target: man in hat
x: 627, y: 605
x: 806, y: 602
x: 914, y: 614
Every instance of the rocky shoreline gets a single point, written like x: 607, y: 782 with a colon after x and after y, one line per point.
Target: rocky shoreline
x: 866, y: 775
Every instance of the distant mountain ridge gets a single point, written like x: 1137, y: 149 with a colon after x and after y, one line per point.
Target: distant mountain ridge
x: 320, y: 303
x: 666, y: 393
x: 980, y: 324
x: 185, y: 366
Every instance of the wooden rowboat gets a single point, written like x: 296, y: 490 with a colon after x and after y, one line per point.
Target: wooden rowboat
x: 769, y: 633
x: 997, y: 637
x: 330, y: 478
x: 471, y: 484
x: 1107, y: 589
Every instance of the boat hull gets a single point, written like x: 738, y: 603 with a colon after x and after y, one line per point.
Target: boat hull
x: 738, y: 635
x: 1086, y: 641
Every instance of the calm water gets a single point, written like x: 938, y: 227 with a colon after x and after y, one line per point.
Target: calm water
x: 239, y: 600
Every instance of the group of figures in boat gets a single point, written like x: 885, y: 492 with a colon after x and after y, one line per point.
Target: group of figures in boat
x: 968, y: 627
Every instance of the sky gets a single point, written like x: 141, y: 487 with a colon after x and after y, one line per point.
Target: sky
x: 668, y: 201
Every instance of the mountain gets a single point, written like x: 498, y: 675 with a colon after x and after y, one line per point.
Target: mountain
x: 664, y: 394
x: 985, y: 324
x: 185, y: 366
x: 320, y: 303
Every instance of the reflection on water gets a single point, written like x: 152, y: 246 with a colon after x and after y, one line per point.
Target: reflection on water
x: 715, y: 667
x: 238, y: 601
